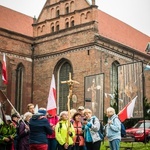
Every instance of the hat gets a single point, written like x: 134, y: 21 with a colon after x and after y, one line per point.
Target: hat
x: 63, y: 113
x: 76, y: 114
x: 42, y: 111
x: 80, y: 108
x: 15, y: 115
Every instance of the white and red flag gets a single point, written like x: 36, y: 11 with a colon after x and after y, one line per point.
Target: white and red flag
x: 127, y: 111
x: 4, y: 70
x: 51, y: 104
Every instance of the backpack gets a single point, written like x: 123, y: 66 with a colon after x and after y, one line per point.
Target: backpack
x: 101, y: 129
x: 123, y: 130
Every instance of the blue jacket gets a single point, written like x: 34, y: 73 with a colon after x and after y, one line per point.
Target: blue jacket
x: 91, y: 129
x: 113, y: 131
x: 39, y: 128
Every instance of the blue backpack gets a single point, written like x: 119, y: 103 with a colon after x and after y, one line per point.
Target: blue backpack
x: 123, y: 130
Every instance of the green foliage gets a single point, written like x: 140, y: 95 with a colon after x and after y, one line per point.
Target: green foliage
x: 136, y: 145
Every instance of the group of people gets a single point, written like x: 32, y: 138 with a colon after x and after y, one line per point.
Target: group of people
x: 43, y: 131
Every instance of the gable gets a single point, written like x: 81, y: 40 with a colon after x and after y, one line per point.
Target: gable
x: 50, y: 8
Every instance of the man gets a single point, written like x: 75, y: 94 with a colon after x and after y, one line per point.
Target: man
x: 30, y: 108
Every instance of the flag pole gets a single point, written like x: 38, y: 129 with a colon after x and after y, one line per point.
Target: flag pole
x: 4, y: 96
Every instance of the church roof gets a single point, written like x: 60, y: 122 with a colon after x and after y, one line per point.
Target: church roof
x: 15, y: 21
x: 121, y: 32
x: 108, y: 26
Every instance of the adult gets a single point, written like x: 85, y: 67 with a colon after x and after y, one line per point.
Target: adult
x: 81, y: 111
x: 15, y: 122
x: 39, y: 128
x: 113, y: 129
x: 64, y: 133
x: 23, y: 132
x: 91, y: 131
x: 52, y: 142
x: 30, y: 108
x: 78, y: 139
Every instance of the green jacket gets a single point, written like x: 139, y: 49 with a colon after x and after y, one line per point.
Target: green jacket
x: 61, y: 132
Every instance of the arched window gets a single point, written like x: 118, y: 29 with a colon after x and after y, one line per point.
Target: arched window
x: 72, y: 22
x: 66, y: 8
x: 57, y: 26
x: 67, y: 24
x: 114, y: 76
x: 63, y: 89
x: 52, y: 27
x: 19, y: 87
x: 57, y: 12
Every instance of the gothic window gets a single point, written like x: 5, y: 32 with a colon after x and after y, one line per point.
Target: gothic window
x: 114, y: 76
x: 19, y: 87
x: 63, y: 91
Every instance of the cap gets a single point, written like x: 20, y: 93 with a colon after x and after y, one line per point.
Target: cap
x: 42, y: 112
x: 80, y: 108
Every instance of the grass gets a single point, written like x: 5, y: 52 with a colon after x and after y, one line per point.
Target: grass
x: 136, y: 145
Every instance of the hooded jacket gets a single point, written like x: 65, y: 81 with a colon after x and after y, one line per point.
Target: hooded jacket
x: 39, y: 128
x: 113, y: 131
x: 61, y: 132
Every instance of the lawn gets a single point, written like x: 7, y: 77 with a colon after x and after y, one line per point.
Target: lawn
x: 136, y: 145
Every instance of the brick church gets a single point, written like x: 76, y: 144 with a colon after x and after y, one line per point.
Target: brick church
x: 106, y: 56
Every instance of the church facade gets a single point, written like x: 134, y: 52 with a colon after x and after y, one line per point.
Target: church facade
x: 105, y: 55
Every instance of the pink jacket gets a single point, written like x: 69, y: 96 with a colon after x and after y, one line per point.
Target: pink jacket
x: 52, y: 121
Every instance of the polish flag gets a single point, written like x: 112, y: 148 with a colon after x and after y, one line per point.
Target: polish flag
x: 127, y: 111
x: 4, y: 70
x: 51, y: 104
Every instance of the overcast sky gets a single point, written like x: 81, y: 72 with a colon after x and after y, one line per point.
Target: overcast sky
x: 136, y: 13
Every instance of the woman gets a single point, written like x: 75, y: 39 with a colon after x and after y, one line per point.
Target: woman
x: 78, y: 139
x: 39, y: 128
x: 23, y: 132
x: 91, y: 131
x: 52, y: 142
x: 113, y: 129
x: 64, y: 133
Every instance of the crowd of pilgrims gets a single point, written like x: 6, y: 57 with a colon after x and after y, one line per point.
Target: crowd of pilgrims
x: 42, y: 131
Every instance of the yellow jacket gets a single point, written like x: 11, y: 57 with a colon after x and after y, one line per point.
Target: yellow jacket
x: 61, y: 132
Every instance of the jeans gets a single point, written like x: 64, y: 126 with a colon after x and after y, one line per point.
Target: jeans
x: 115, y: 144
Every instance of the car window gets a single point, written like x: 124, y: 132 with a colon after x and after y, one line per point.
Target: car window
x: 141, y: 125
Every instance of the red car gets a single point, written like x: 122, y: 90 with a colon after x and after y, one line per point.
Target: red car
x: 138, y: 131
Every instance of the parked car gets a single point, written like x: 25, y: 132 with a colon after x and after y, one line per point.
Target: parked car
x: 138, y: 131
